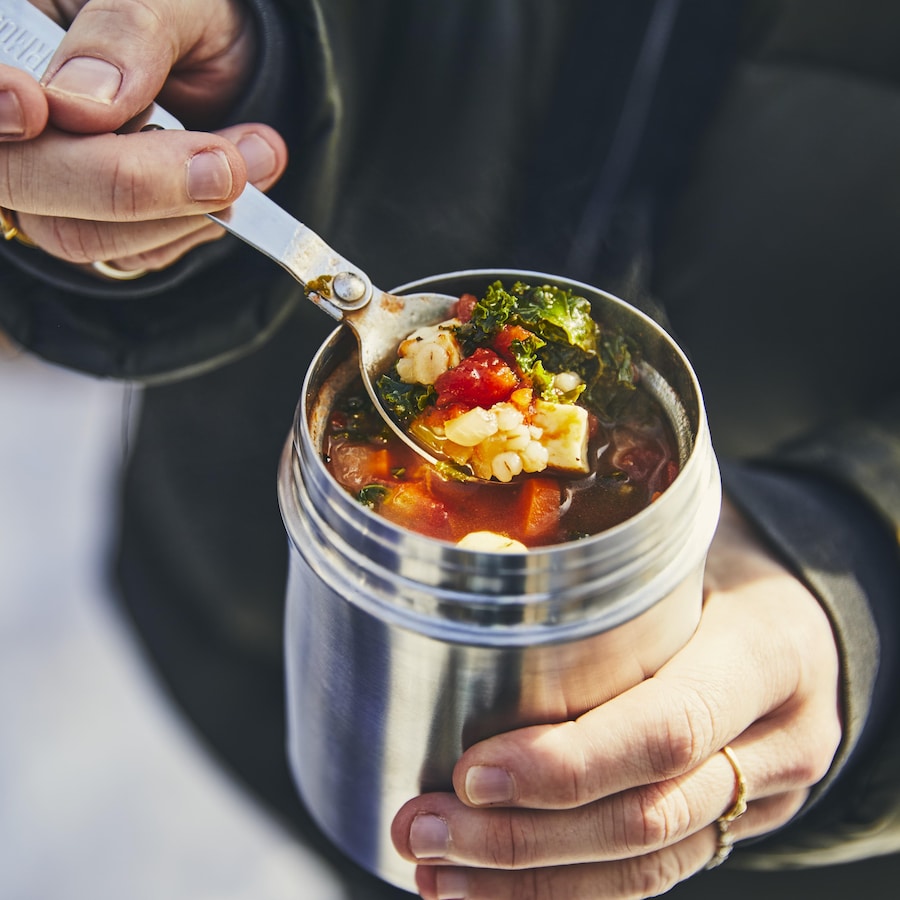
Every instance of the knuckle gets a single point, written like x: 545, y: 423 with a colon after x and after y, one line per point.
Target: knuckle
x: 72, y: 240
x: 651, y: 875
x: 773, y: 812
x: 135, y: 18
x: 551, y: 884
x: 654, y: 817
x: 536, y: 885
x: 532, y: 884
x: 80, y: 241
x: 511, y: 841
x: 812, y: 753
x: 683, y: 740
x: 574, y: 776
x: 784, y: 807
x: 126, y: 185
x: 810, y: 769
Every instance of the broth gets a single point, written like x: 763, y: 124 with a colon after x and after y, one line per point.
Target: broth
x: 525, y: 388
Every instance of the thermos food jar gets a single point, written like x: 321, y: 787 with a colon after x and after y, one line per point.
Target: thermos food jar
x: 402, y: 651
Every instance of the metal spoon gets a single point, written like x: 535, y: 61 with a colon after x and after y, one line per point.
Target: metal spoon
x: 380, y: 321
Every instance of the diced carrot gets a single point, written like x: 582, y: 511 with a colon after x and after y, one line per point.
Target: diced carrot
x: 380, y: 463
x: 539, y: 508
x: 413, y: 506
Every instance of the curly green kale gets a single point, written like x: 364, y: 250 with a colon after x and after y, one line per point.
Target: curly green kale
x: 404, y: 401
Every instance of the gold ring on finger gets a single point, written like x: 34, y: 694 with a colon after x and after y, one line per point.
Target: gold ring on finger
x: 11, y: 229
x: 739, y: 804
x: 724, y: 837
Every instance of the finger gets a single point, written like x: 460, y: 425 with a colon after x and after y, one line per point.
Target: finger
x: 122, y: 178
x: 169, y: 253
x: 117, y: 56
x: 743, y: 662
x: 79, y: 241
x: 638, y: 821
x: 647, y: 875
x: 23, y: 106
x: 154, y: 244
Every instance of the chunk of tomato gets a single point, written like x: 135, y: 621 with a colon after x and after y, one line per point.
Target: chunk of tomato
x: 505, y: 337
x: 481, y: 379
x: 464, y: 307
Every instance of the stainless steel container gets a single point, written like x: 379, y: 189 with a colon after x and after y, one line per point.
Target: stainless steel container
x: 402, y: 650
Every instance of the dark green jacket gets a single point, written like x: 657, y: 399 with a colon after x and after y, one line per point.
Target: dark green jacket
x: 732, y: 169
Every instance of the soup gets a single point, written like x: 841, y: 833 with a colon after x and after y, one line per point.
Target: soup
x: 527, y: 390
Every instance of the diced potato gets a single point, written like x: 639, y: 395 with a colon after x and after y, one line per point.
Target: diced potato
x: 472, y: 427
x: 565, y: 434
x: 491, y: 542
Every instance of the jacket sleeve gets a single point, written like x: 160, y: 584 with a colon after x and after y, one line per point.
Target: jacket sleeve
x: 828, y: 505
x: 215, y: 304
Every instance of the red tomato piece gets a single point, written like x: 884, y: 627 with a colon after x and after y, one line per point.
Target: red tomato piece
x: 464, y: 307
x: 504, y: 339
x: 481, y: 379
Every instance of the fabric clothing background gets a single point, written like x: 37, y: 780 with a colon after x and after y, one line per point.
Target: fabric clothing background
x: 758, y: 210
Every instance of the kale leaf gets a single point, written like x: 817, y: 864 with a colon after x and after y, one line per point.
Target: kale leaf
x: 372, y: 495
x: 404, y: 401
x: 489, y: 315
x: 557, y: 315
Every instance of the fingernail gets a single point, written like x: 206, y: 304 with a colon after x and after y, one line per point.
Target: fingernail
x: 209, y: 176
x: 88, y: 77
x: 429, y: 837
x: 451, y: 884
x: 12, y: 122
x: 259, y: 156
x: 487, y: 784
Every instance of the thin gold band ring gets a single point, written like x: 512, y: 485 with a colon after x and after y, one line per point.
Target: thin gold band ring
x: 739, y: 805
x: 10, y: 228
x: 724, y: 837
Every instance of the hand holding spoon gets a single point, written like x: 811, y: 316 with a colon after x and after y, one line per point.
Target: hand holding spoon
x: 380, y: 321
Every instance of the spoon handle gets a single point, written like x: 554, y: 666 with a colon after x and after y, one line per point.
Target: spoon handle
x: 28, y: 40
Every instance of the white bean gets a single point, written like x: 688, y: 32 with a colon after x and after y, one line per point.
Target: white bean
x: 506, y: 466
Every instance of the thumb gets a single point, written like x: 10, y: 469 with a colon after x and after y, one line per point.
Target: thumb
x: 117, y: 57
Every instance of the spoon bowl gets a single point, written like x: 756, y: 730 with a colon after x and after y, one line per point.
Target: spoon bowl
x: 380, y: 322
